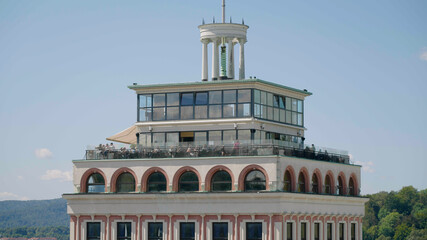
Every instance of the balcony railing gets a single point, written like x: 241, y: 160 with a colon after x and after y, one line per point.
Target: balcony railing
x: 215, y: 149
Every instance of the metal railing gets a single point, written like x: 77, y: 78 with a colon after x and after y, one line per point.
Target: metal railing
x: 214, y: 149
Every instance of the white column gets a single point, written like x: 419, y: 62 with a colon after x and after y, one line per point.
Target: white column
x: 230, y: 70
x: 215, y: 59
x: 108, y: 227
x: 205, y: 60
x: 242, y: 59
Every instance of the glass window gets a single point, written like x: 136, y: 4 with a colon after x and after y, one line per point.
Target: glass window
x: 244, y: 135
x: 201, y: 112
x: 221, y: 181
x: 201, y: 98
x: 263, y: 97
x: 276, y: 114
x: 288, y: 117
x: 229, y: 96
x: 156, y: 182
x: 270, y: 113
x: 299, y: 103
x: 159, y: 139
x: 187, y: 99
x: 341, y: 231
x: 159, y: 113
x: 294, y: 105
x: 253, y: 231
x: 353, y: 231
x: 229, y: 110
x: 304, y: 231
x: 255, y: 181
x: 220, y: 231
x: 244, y: 110
x: 172, y: 138
x: 257, y: 110
x: 289, y: 231
x: 186, y: 231
x: 269, y: 99
x: 299, y: 119
x: 316, y: 231
x: 314, y: 184
x: 276, y: 101
x: 173, y: 99
x: 187, y: 112
x: 301, y: 183
x: 93, y: 231
x: 200, y: 137
x: 282, y: 102
x: 328, y: 188
x: 215, y: 136
x: 340, y: 186
x: 229, y: 135
x: 145, y: 114
x: 294, y: 118
x: 155, y: 231
x: 145, y: 139
x: 257, y: 96
x: 244, y: 95
x: 263, y: 112
x: 125, y: 183
x: 124, y: 231
x: 188, y: 182
x: 215, y: 97
x: 145, y: 100
x: 288, y: 104
x: 95, y: 183
x: 282, y: 115
x: 159, y: 100
x: 215, y: 111
x: 329, y: 231
x: 173, y: 113
x: 288, y: 182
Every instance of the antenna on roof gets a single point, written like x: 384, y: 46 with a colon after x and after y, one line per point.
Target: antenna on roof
x: 223, y: 11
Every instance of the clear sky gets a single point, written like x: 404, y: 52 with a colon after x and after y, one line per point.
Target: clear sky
x: 65, y: 67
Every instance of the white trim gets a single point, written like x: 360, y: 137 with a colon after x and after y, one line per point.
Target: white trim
x: 114, y: 228
x: 332, y: 231
x: 83, y: 225
x: 243, y: 228
x: 294, y: 229
x: 356, y: 232
x: 307, y: 229
x: 209, y: 228
x: 320, y: 229
x: 177, y: 228
x: 144, y: 230
x: 278, y: 230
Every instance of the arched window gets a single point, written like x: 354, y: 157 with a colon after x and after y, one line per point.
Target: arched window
x: 221, y: 181
x: 351, y: 189
x: 314, y: 184
x: 95, y: 183
x: 288, y: 182
x: 340, y: 186
x: 301, y: 182
x: 125, y: 183
x: 328, y: 187
x: 188, y: 182
x: 255, y: 181
x: 156, y: 182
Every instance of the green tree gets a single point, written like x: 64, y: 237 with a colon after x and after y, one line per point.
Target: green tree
x: 418, y: 234
x: 389, y: 223
x: 402, y: 231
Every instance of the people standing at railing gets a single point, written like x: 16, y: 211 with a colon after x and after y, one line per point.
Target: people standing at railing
x: 236, y: 148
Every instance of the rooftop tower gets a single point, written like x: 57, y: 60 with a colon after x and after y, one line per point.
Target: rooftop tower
x: 223, y: 37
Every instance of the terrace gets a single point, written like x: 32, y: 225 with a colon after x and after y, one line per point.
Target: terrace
x: 218, y: 149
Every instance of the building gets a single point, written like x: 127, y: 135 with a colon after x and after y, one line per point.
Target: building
x: 216, y: 160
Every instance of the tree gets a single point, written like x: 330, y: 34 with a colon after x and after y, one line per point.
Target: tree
x: 389, y: 223
x: 402, y: 231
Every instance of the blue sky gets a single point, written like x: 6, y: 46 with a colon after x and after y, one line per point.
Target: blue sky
x: 65, y: 68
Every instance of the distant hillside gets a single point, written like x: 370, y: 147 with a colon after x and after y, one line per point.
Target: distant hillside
x: 34, y: 213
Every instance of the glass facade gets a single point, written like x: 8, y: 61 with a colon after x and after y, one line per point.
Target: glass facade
x: 187, y: 231
x: 125, y: 183
x: 255, y: 181
x: 341, y: 231
x: 188, y: 182
x: 329, y: 231
x: 93, y: 231
x: 221, y: 181
x: 304, y: 231
x: 95, y: 183
x: 289, y: 231
x: 220, y: 104
x: 124, y: 231
x: 220, y: 231
x: 156, y: 182
x: 316, y: 231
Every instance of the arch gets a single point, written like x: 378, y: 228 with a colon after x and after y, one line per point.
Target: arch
x: 291, y: 171
x: 147, y: 174
x: 212, y: 171
x: 117, y: 173
x: 246, y: 170
x: 329, y: 186
x: 175, y: 181
x: 255, y: 181
x: 303, y: 173
x: 318, y: 174
x: 341, y: 184
x: 353, y: 190
x: 85, y: 177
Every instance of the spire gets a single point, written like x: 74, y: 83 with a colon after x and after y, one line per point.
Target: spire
x: 223, y: 11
